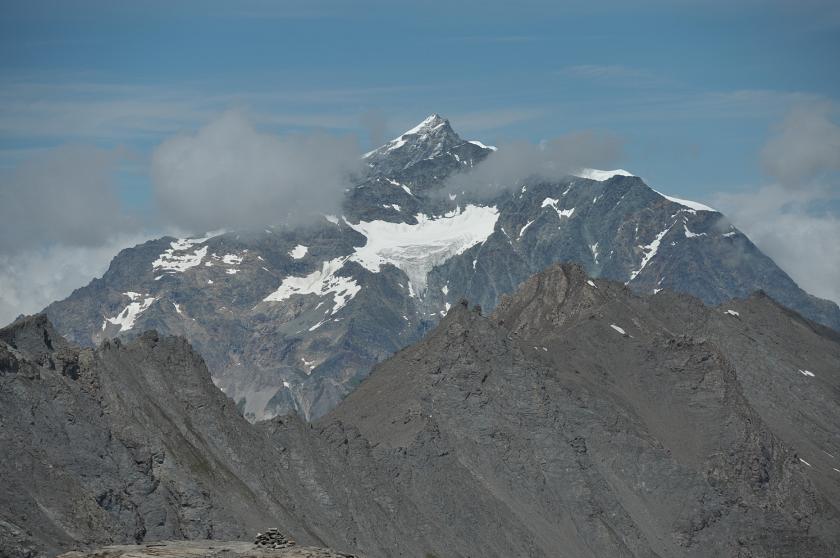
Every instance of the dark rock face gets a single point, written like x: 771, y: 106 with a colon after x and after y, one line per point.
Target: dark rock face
x: 582, y: 420
x: 293, y: 319
x: 135, y: 444
x: 578, y: 419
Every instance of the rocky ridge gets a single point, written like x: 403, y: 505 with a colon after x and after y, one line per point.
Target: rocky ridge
x: 578, y: 419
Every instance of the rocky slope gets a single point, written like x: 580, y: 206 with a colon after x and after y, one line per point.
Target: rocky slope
x: 582, y: 420
x: 125, y: 443
x: 579, y: 419
x: 293, y: 318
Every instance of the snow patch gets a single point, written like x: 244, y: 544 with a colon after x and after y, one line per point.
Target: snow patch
x: 689, y: 234
x: 697, y: 206
x: 807, y: 373
x: 298, y: 251
x: 523, y: 229
x: 321, y: 282
x: 178, y: 257
x: 805, y: 462
x: 594, y: 249
x: 551, y: 202
x: 232, y: 259
x: 416, y: 249
x: 732, y: 313
x: 591, y: 283
x: 601, y: 175
x: 650, y: 251
x: 308, y: 364
x: 618, y: 329
x: 125, y: 319
x: 481, y: 145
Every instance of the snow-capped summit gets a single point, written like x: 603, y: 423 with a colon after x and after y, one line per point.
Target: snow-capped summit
x: 422, y: 155
x: 601, y: 175
x: 433, y: 128
x: 431, y: 122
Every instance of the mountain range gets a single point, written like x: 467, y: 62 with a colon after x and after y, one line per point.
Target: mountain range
x: 293, y: 318
x: 578, y: 419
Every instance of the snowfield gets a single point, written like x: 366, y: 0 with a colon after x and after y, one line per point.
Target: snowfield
x: 416, y: 249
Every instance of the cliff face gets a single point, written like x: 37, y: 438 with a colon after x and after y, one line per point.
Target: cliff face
x: 578, y: 419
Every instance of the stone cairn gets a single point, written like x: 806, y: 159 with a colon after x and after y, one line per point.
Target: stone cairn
x: 273, y: 538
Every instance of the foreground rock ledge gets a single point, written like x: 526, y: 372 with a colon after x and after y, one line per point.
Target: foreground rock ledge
x: 205, y: 549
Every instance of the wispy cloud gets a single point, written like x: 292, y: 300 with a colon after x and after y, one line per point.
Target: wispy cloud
x: 230, y: 175
x: 91, y: 111
x: 689, y: 105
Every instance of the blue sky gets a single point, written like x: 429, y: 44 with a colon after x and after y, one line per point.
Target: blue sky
x: 694, y: 90
x: 691, y: 87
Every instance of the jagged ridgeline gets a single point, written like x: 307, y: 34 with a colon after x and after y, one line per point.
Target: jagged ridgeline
x: 578, y: 420
x: 291, y: 319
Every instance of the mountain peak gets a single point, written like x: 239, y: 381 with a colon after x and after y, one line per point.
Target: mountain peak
x: 434, y: 129
x: 431, y: 122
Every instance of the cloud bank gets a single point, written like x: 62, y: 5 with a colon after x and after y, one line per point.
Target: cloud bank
x: 805, y: 150
x: 67, y: 195
x: 230, y: 175
x: 63, y: 222
x: 549, y: 160
x: 796, y: 218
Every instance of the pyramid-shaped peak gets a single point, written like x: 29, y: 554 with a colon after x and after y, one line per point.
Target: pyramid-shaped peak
x: 433, y: 130
x: 431, y: 122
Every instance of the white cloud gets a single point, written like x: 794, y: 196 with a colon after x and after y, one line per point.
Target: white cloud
x: 31, y: 280
x: 550, y: 159
x: 794, y: 219
x: 62, y: 222
x: 805, y: 147
x: 66, y: 195
x: 804, y: 244
x: 228, y: 175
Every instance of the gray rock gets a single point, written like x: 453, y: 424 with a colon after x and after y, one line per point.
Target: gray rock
x: 578, y: 419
